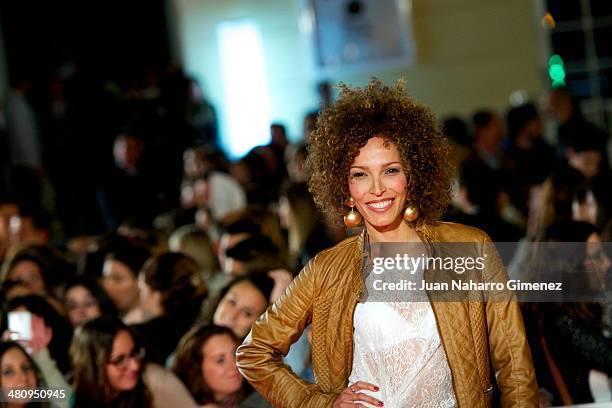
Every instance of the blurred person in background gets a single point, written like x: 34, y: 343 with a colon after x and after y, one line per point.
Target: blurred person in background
x: 84, y: 299
x: 128, y: 191
x: 567, y: 338
x: 19, y: 371
x: 206, y: 363
x: 111, y: 369
x: 39, y: 270
x: 489, y: 133
x: 241, y: 302
x: 171, y: 295
x: 120, y: 280
x: 589, y: 158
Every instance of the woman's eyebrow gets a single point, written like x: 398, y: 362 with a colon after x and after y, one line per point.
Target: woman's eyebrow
x: 382, y: 165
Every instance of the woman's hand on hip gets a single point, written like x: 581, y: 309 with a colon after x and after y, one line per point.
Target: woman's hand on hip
x: 351, y: 396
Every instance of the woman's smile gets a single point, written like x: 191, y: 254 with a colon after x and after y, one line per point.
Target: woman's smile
x: 380, y: 206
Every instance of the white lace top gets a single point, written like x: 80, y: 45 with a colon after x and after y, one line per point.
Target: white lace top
x: 398, y: 348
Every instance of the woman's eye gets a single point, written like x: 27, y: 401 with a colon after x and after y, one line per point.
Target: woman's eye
x: 392, y: 170
x: 248, y: 314
x: 221, y: 360
x: 357, y: 174
x: 8, y: 373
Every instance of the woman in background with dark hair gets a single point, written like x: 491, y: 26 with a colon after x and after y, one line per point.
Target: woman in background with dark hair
x: 206, y: 363
x: 20, y: 370
x: 567, y: 337
x: 84, y: 299
x: 17, y: 371
x: 242, y: 301
x: 171, y: 296
x: 120, y: 280
x: 110, y: 369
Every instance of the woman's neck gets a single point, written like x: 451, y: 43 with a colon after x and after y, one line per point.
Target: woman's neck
x: 403, y: 232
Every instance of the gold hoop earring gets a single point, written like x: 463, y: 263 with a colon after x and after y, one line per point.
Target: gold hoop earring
x: 352, y: 219
x: 411, y: 213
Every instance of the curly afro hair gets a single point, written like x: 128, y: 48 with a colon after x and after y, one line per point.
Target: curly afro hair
x: 385, y: 111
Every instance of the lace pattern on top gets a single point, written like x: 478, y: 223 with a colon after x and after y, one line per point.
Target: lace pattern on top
x: 397, y: 347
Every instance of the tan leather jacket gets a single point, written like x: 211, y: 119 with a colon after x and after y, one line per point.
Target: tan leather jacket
x: 325, y: 294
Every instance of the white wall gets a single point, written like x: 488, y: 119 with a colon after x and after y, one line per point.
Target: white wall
x: 470, y: 53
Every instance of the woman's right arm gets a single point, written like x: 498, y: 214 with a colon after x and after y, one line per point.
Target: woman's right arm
x: 260, y: 357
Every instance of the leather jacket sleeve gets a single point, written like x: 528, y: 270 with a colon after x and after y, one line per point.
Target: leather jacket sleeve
x: 260, y: 357
x: 510, y: 354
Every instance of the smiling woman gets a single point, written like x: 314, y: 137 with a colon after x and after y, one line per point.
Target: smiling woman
x: 111, y: 369
x: 381, y: 153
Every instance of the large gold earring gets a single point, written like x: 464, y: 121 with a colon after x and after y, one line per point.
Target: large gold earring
x: 411, y: 213
x: 352, y: 219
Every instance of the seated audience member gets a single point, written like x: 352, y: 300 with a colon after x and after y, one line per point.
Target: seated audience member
x: 28, y: 267
x: 566, y: 338
x: 206, y: 363
x: 41, y: 269
x: 242, y: 301
x: 171, y: 296
x: 120, y: 280
x: 84, y: 300
x: 54, y: 329
x: 111, y: 370
x: 19, y: 371
x: 589, y: 158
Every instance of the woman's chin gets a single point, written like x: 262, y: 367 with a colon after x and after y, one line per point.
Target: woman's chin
x: 385, y: 223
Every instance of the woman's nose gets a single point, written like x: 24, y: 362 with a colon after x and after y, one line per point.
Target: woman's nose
x: 378, y: 186
x: 21, y: 379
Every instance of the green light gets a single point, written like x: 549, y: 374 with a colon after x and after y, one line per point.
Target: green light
x: 556, y: 71
x: 555, y: 60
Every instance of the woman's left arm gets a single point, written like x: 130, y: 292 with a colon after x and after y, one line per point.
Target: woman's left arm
x: 510, y: 354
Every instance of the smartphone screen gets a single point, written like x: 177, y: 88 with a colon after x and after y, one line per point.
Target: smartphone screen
x: 20, y: 323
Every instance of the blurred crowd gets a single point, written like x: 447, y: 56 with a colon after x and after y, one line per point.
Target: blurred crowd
x: 144, y: 255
